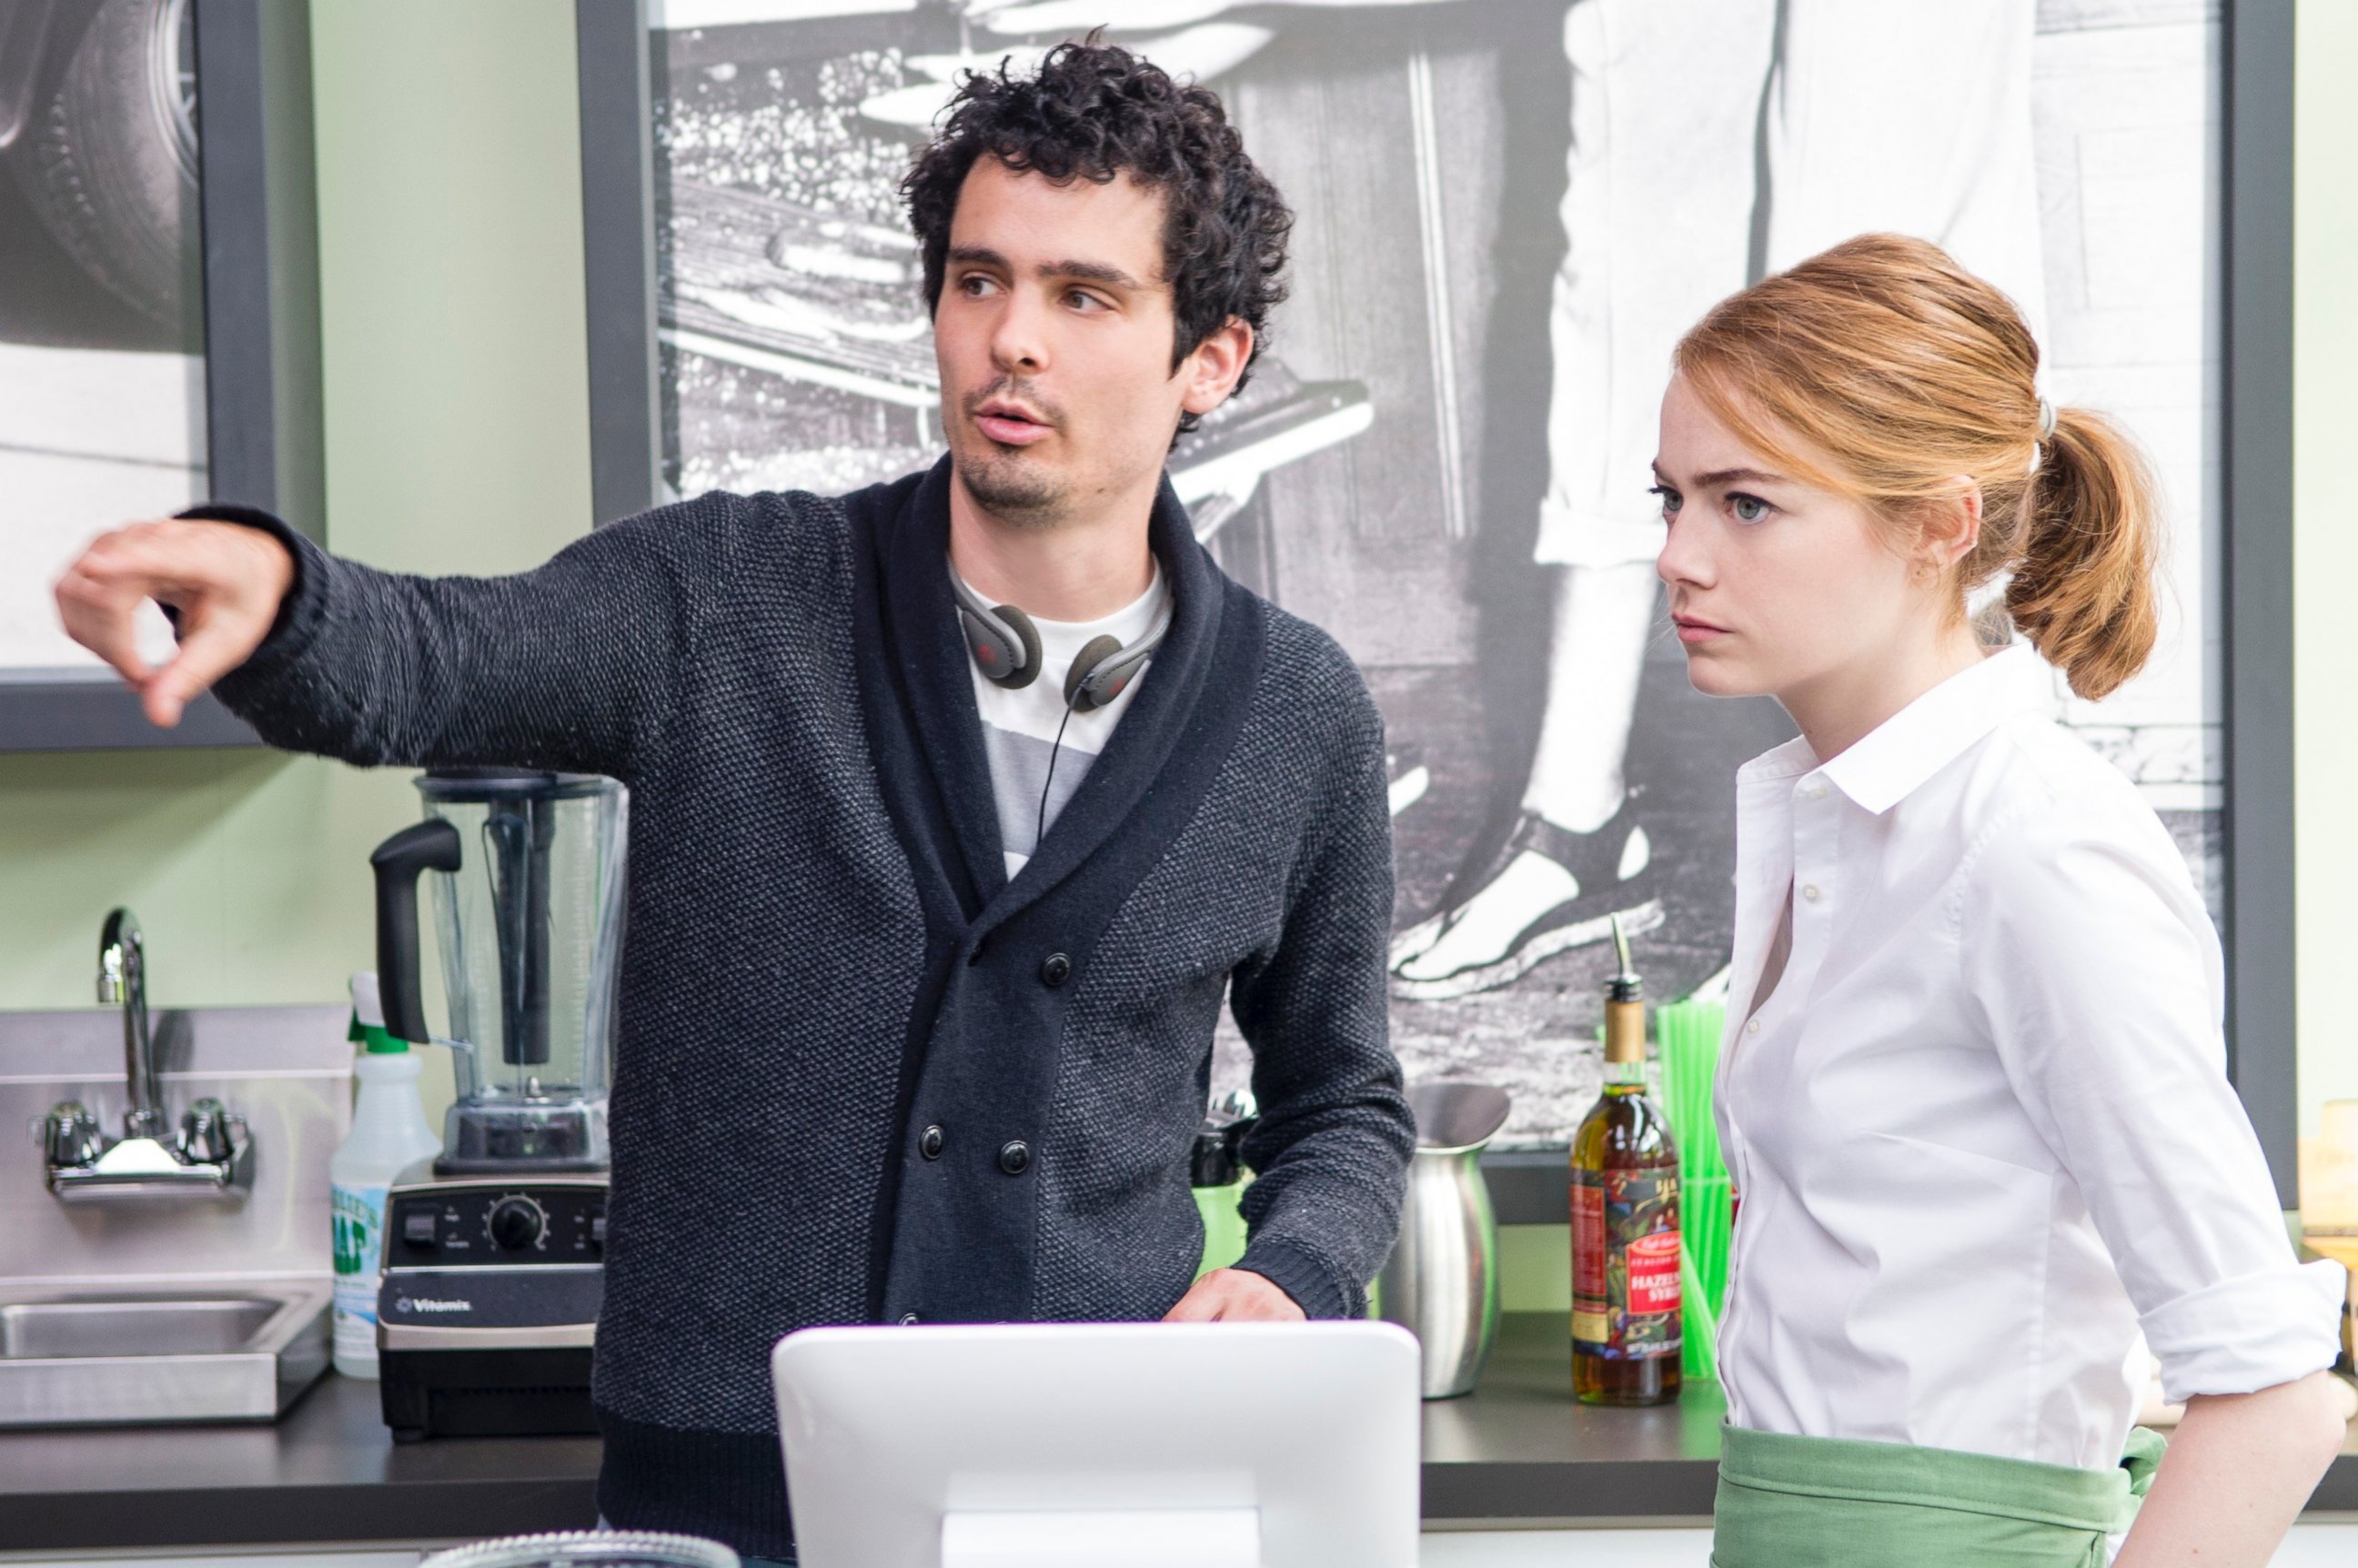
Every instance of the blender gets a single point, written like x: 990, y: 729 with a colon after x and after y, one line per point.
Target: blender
x: 495, y: 1249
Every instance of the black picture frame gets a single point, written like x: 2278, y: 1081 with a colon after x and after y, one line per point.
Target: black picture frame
x: 1528, y: 1186
x: 258, y: 210
x: 617, y: 227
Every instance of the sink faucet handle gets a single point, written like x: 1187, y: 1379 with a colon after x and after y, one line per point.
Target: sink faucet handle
x: 205, y: 1133
x: 71, y: 1134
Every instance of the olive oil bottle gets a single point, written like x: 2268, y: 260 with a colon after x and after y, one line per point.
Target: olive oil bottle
x: 1624, y: 1221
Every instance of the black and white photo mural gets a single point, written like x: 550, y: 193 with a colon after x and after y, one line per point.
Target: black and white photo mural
x: 1507, y: 210
x: 102, y: 308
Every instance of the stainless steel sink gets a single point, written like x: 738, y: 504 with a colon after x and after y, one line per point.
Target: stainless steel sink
x: 212, y: 1325
x: 110, y: 1356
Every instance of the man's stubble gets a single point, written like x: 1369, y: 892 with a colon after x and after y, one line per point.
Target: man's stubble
x: 1016, y: 491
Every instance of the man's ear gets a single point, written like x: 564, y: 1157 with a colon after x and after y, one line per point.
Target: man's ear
x: 1210, y: 373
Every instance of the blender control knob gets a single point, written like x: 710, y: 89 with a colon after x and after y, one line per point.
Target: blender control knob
x: 517, y: 1223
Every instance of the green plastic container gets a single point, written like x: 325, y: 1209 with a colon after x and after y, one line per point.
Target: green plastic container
x: 1215, y: 1169
x: 1224, y: 1225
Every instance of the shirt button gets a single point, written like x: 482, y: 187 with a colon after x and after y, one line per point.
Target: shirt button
x: 1055, y: 970
x: 1015, y: 1156
x: 930, y: 1143
x: 1811, y: 893
x: 907, y: 1318
x: 1753, y: 1027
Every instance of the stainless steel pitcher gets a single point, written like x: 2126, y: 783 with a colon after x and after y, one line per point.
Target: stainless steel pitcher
x: 1441, y: 1282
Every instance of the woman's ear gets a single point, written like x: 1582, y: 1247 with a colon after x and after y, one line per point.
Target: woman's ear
x: 1211, y: 371
x: 1952, y: 526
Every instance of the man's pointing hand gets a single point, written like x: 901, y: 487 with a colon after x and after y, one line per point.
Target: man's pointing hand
x: 224, y: 580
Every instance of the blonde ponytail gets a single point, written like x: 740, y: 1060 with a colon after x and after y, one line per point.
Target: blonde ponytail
x: 1884, y: 371
x: 2083, y: 590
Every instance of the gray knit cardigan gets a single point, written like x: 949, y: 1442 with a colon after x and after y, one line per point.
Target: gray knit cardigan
x: 825, y: 957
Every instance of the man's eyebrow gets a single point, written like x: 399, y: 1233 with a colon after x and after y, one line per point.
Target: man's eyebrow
x: 1094, y: 272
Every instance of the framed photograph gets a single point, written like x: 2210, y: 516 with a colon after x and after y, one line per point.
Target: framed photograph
x: 1507, y: 210
x: 158, y: 314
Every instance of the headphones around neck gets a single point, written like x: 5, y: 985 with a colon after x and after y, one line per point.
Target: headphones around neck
x: 1006, y: 646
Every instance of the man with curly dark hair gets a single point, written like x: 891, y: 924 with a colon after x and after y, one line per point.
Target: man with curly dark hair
x: 1093, y: 114
x: 925, y: 951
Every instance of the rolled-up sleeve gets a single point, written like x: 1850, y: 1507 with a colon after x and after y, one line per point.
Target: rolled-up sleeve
x: 2086, y: 945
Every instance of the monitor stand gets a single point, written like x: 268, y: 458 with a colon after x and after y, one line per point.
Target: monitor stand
x: 1141, y: 1537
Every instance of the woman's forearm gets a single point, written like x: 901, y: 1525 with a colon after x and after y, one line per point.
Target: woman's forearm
x: 2238, y: 1470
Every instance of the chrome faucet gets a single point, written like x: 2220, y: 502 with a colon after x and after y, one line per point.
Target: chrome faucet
x: 122, y: 979
x: 210, y: 1154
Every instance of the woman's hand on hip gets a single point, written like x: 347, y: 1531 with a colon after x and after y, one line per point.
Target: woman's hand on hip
x: 2239, y: 1469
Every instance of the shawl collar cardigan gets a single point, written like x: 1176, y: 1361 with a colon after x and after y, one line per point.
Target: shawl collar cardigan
x: 824, y: 954
x: 982, y: 1042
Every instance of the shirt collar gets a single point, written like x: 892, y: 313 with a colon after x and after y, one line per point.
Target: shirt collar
x: 1789, y: 761
x: 1886, y: 766
x: 1889, y: 763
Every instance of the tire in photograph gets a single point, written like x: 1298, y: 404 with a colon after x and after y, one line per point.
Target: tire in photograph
x: 108, y: 164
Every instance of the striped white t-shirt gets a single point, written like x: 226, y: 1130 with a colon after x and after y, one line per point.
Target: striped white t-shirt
x: 1019, y: 727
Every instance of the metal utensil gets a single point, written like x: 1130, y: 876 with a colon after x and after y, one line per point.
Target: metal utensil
x: 589, y: 1549
x: 1441, y: 1282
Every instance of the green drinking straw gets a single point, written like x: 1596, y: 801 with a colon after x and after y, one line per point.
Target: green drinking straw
x: 1687, y: 1033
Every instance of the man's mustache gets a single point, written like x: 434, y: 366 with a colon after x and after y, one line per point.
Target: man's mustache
x: 1012, y: 390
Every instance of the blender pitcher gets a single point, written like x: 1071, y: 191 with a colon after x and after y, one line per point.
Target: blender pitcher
x: 528, y: 905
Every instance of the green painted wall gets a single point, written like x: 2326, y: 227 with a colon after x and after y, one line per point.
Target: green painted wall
x: 2325, y: 549
x: 457, y: 439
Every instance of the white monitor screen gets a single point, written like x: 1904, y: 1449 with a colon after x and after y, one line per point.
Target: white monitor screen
x: 1215, y: 1445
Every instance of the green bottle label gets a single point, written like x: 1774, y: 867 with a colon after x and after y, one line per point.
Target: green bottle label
x: 358, y: 1216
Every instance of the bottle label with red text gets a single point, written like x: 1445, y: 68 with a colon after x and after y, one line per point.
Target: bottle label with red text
x: 1625, y: 1263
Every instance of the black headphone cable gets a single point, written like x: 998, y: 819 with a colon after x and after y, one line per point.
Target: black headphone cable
x: 1039, y: 827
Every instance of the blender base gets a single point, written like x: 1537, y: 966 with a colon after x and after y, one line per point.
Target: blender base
x: 488, y: 1316
x: 486, y: 1394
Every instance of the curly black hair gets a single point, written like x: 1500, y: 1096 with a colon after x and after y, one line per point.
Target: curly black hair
x: 1094, y: 111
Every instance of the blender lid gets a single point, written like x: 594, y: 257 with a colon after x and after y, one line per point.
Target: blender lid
x: 470, y: 785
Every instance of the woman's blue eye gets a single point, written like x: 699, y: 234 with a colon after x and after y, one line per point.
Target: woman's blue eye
x: 1669, y: 499
x: 1749, y: 508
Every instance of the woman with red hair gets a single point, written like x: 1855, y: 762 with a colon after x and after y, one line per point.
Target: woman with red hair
x: 1973, y: 1094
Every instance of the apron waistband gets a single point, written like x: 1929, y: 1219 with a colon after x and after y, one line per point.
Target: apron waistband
x: 1777, y: 1490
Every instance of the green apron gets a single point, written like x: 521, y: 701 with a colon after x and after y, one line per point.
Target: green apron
x: 1834, y: 1503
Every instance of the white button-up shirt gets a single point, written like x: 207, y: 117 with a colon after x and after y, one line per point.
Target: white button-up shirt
x: 1981, y: 1127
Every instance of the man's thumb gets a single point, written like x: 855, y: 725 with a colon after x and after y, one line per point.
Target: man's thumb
x: 207, y: 652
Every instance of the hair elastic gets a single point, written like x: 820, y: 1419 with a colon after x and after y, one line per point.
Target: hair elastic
x: 2046, y: 431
